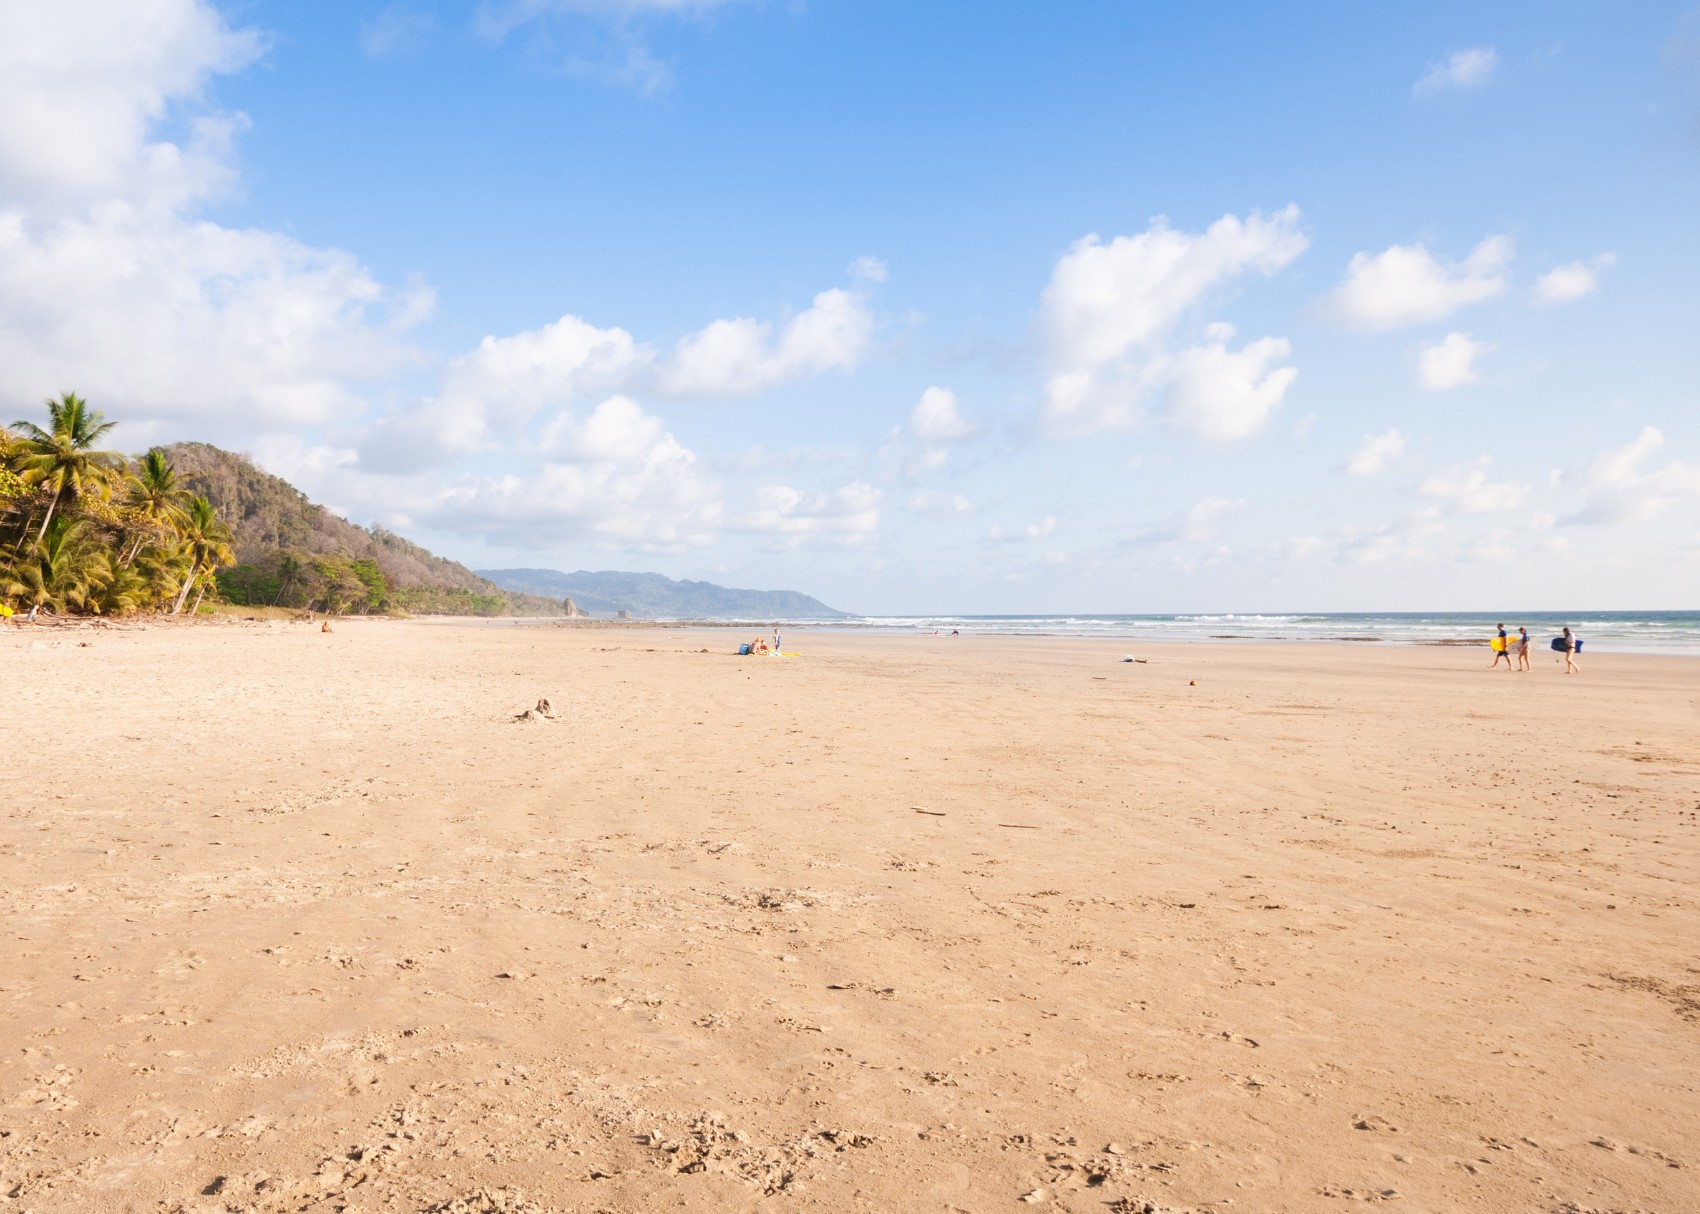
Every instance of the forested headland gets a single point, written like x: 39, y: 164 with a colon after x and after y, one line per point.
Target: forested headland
x: 86, y: 529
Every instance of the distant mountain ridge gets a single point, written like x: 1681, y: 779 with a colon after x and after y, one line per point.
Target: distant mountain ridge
x: 650, y: 596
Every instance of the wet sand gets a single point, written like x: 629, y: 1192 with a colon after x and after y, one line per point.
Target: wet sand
x: 302, y: 921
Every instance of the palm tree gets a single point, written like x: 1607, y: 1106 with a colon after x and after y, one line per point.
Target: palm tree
x: 290, y: 575
x: 207, y: 540
x: 155, y: 500
x: 67, y: 569
x: 160, y: 568
x: 63, y: 457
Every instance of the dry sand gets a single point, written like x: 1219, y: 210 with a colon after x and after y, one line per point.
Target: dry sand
x: 296, y: 921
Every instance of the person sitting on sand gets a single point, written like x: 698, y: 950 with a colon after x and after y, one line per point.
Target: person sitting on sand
x: 1501, y: 650
x: 1569, y: 647
x: 759, y: 645
x: 1522, y: 647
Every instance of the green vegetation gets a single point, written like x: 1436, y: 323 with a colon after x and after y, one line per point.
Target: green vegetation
x: 91, y: 531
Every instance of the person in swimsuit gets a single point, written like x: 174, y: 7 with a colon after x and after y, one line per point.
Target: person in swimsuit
x: 1501, y: 650
x: 1570, y: 666
x: 1523, y: 662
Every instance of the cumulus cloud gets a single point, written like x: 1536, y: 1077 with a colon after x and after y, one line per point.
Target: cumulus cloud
x: 1407, y: 285
x: 1372, y: 456
x: 1450, y: 363
x: 937, y: 418
x: 1573, y: 280
x: 615, y: 476
x: 741, y: 356
x: 107, y: 280
x: 1468, y: 491
x: 847, y: 515
x: 1616, y: 490
x: 1110, y: 309
x: 1404, y: 541
x: 1104, y: 299
x: 1220, y: 394
x: 493, y: 391
x: 169, y: 319
x: 1466, y: 69
x: 1202, y: 522
x: 83, y: 83
x: 934, y: 428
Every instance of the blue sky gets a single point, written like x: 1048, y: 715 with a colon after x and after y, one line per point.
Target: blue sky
x: 993, y: 307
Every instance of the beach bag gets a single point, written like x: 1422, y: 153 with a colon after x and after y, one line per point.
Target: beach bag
x: 744, y: 650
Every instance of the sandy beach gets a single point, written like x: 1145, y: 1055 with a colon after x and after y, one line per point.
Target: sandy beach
x: 299, y: 921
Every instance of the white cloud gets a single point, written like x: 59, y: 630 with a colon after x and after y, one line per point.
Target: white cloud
x: 493, y: 391
x: 1406, y: 284
x: 1465, y: 69
x: 1450, y: 363
x: 159, y: 317
x: 1204, y: 521
x: 936, y: 425
x: 1404, y: 541
x: 1109, y: 309
x: 1105, y: 299
x: 1616, y: 490
x: 498, y: 18
x: 617, y: 430
x: 1200, y: 523
x: 740, y: 356
x: 1468, y: 491
x: 633, y: 67
x: 945, y: 505
x: 867, y: 269
x: 937, y: 418
x: 83, y: 83
x: 1372, y: 456
x: 398, y: 29
x: 848, y: 515
x: 1569, y: 282
x: 607, y: 38
x: 1220, y: 394
x: 617, y: 476
x: 108, y: 284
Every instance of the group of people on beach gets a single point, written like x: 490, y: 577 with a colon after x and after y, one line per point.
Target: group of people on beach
x: 1508, y: 647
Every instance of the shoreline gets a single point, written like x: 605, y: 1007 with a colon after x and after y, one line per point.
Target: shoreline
x: 817, y: 627
x: 47, y: 628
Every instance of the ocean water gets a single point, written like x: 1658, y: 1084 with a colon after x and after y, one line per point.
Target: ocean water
x: 1602, y: 631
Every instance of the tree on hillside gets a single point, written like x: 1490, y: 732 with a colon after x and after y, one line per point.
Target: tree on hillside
x: 155, y: 502
x: 207, y: 540
x: 62, y: 457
